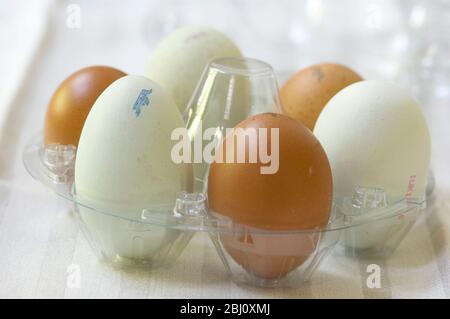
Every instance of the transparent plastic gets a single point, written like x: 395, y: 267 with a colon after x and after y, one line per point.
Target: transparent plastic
x: 431, y: 183
x: 229, y: 91
x: 59, y: 160
x: 116, y: 240
x: 378, y: 226
x: 367, y: 224
x: 273, y: 258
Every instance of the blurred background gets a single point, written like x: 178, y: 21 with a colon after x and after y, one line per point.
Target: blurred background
x: 406, y: 41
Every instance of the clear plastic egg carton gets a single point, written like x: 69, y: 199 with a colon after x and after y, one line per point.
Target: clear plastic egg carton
x: 376, y: 226
x: 366, y: 225
x: 116, y: 240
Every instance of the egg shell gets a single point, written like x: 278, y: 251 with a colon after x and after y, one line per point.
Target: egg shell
x: 269, y: 256
x: 179, y: 59
x: 72, y: 101
x: 307, y: 92
x: 297, y: 197
x: 124, y: 165
x: 376, y: 136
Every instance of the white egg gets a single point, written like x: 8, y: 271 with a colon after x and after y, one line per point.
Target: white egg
x: 375, y: 136
x: 124, y: 165
x: 179, y: 59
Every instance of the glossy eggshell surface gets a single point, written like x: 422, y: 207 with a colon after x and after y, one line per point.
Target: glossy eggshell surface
x: 297, y: 197
x: 124, y: 165
x: 72, y: 101
x: 307, y: 92
x: 179, y: 59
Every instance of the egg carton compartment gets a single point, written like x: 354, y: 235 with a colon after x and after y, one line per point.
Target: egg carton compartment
x: 366, y: 225
x: 268, y: 258
x: 131, y: 243
x: 378, y: 226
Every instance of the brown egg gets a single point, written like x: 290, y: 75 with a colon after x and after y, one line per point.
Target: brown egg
x: 269, y: 211
x: 307, y: 92
x: 72, y: 101
x: 266, y: 255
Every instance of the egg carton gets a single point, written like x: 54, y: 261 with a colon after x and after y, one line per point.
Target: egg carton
x: 365, y: 225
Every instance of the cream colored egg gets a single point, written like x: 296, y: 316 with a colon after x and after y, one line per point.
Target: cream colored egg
x: 124, y: 165
x: 375, y: 137
x: 179, y: 59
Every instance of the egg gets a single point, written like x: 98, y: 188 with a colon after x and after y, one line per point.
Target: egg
x: 72, y: 101
x: 179, y: 59
x: 272, y: 211
x: 376, y: 137
x: 124, y: 165
x: 307, y: 92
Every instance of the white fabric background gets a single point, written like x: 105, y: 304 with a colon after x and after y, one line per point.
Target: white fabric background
x: 39, y: 240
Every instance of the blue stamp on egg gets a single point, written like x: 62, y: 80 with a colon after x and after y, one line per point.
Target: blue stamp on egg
x: 142, y: 100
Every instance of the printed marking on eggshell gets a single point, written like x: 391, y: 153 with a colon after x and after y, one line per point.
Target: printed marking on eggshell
x: 318, y: 73
x: 142, y: 100
x: 411, y: 186
x: 195, y: 36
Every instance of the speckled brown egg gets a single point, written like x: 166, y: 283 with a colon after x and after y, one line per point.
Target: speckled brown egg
x: 72, y: 101
x: 273, y: 209
x: 307, y: 92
